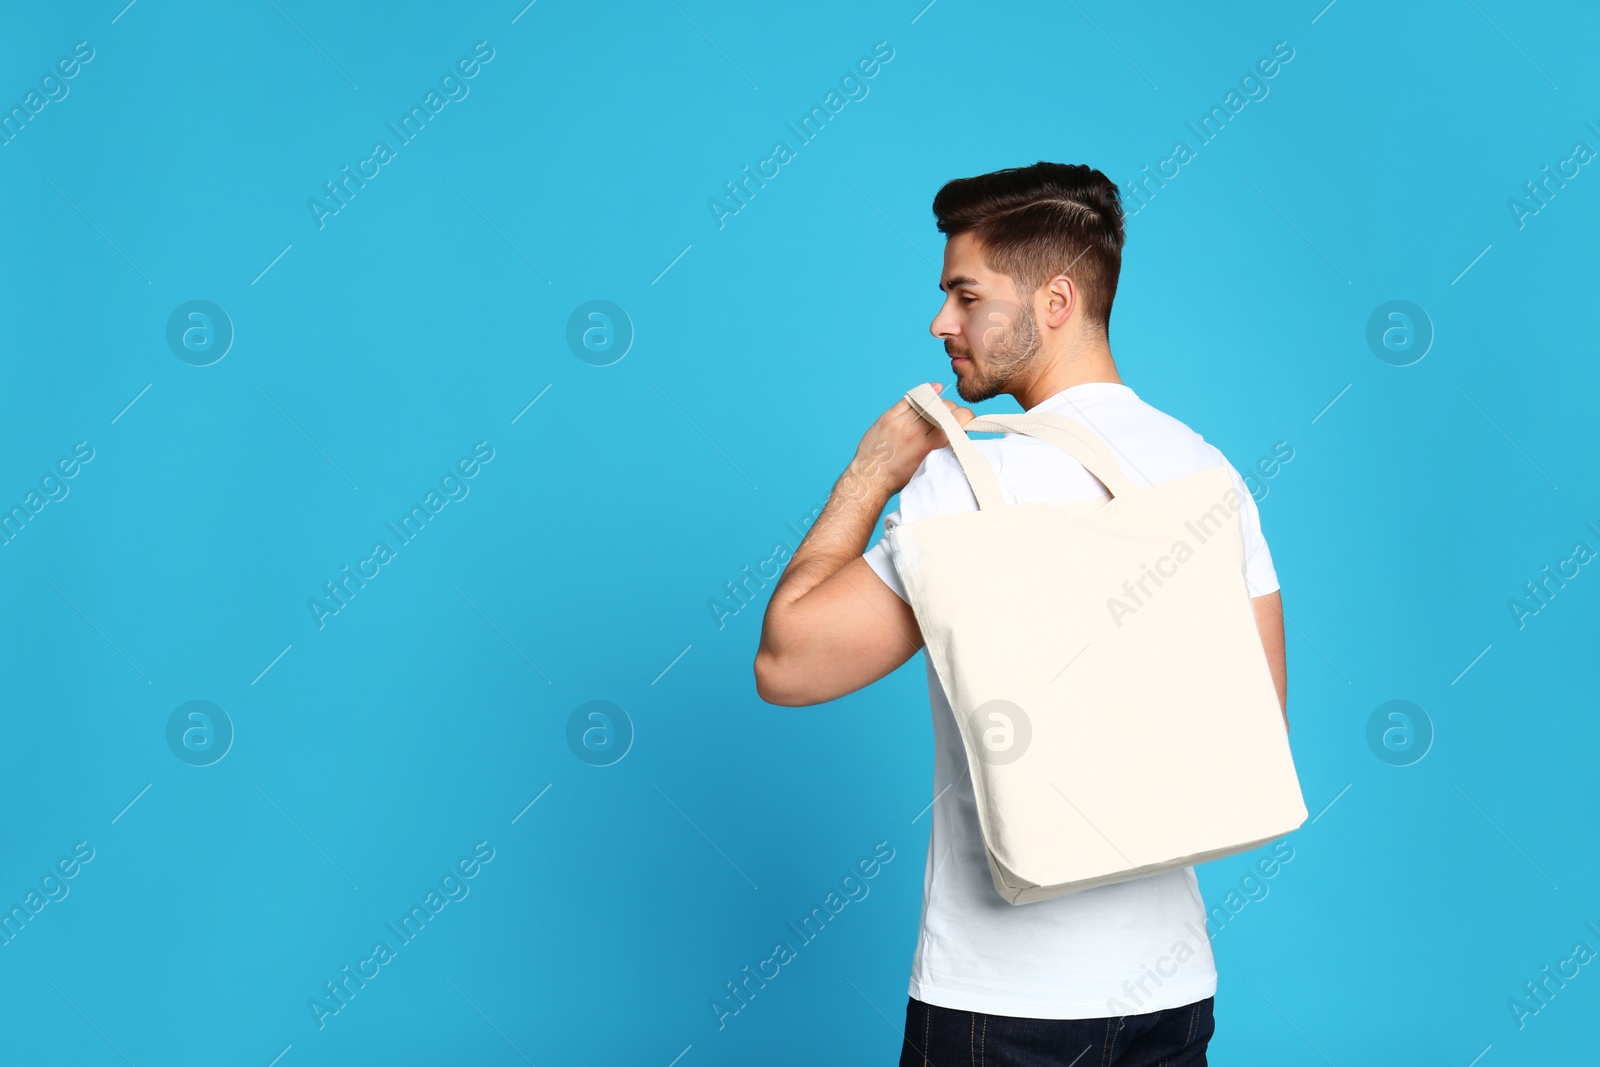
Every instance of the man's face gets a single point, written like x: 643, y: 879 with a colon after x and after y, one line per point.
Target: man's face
x: 988, y: 334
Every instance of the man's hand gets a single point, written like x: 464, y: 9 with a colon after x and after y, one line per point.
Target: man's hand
x: 895, y: 446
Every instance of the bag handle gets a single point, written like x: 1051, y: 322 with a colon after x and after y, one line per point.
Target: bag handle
x: 980, y: 475
x: 1066, y: 434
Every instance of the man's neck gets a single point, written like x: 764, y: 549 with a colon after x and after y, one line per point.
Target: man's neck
x: 1063, y: 372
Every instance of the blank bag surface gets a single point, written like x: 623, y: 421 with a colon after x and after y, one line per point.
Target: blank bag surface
x: 1104, y: 667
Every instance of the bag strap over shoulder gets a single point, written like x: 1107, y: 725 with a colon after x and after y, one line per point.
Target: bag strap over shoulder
x: 980, y: 475
x: 1066, y: 434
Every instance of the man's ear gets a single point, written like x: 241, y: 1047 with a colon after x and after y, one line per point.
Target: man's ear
x: 1061, y: 300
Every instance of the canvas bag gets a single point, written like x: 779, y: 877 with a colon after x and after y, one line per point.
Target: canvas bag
x: 1110, y: 732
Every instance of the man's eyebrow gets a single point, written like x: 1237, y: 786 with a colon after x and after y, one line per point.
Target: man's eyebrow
x: 960, y: 280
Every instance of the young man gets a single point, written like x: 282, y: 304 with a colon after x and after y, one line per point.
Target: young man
x: 1119, y: 974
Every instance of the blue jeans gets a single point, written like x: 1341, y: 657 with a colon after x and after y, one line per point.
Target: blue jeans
x: 948, y: 1037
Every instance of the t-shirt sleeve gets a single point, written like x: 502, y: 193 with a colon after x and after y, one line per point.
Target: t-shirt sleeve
x: 882, y: 562
x: 1259, y: 573
x: 937, y: 487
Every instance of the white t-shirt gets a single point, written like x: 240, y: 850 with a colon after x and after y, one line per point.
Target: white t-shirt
x: 1123, y: 949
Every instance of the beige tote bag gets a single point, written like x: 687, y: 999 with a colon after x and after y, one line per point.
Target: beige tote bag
x: 1104, y: 667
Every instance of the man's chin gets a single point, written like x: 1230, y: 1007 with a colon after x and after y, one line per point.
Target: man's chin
x: 974, y: 391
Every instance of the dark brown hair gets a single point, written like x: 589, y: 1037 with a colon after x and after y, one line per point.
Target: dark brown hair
x: 1039, y: 221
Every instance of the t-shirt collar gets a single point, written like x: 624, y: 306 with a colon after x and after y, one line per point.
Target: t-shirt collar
x: 1080, y: 391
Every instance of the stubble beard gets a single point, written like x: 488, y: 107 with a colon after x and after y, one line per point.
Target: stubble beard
x: 1019, y: 343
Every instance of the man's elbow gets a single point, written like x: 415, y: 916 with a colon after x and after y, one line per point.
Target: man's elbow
x: 768, y: 687
x: 774, y: 685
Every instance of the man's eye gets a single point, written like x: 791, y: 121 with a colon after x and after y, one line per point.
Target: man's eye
x: 969, y: 300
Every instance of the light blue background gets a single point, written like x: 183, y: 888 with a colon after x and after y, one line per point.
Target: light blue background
x: 431, y: 311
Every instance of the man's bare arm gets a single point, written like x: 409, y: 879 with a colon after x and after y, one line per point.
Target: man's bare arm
x: 1269, y: 621
x: 832, y: 625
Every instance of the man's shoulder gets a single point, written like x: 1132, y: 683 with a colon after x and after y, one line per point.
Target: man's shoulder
x: 938, y: 485
x: 1143, y: 434
x: 1152, y: 445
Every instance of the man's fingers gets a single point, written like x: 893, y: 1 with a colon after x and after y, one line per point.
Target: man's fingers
x: 963, y: 415
x: 903, y: 411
